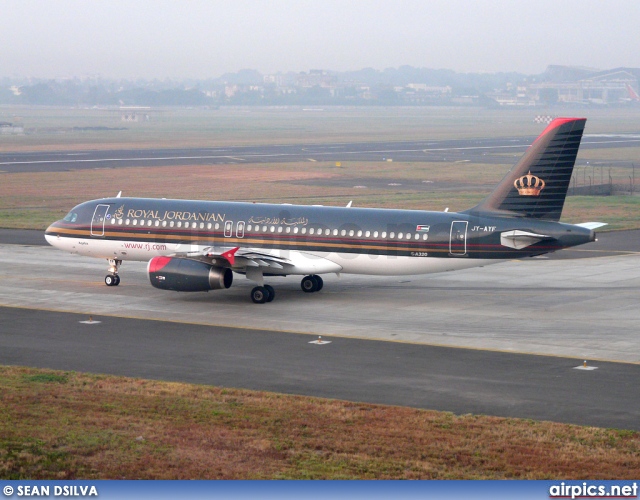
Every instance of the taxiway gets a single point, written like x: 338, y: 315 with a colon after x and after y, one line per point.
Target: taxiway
x: 495, y: 151
x: 502, y: 340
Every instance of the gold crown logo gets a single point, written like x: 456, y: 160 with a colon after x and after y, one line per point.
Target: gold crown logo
x: 529, y: 185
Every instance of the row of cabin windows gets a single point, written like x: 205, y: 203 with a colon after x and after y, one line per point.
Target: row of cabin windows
x: 274, y: 229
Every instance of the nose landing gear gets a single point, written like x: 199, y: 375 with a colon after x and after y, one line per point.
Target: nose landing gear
x: 113, y: 279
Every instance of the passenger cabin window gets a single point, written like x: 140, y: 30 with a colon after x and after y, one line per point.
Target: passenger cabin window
x: 311, y: 231
x: 119, y: 222
x: 375, y: 234
x: 335, y: 232
x: 304, y: 230
x: 217, y: 226
x: 327, y: 232
x: 279, y: 229
x: 295, y: 230
x: 367, y: 234
x: 127, y: 222
x: 384, y: 234
x: 359, y: 234
x: 164, y: 223
x: 171, y: 224
x: 288, y: 230
x: 135, y: 222
x: 179, y: 224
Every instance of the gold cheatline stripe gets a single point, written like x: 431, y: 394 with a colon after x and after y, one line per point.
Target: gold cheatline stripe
x: 249, y: 240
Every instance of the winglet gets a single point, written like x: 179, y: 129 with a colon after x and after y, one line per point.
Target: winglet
x: 230, y: 255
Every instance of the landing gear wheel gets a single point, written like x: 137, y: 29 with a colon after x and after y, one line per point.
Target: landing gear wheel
x: 309, y: 284
x: 320, y: 283
x: 272, y: 292
x: 112, y: 279
x: 260, y: 295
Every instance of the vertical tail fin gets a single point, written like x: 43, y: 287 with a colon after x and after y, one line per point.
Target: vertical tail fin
x: 537, y: 185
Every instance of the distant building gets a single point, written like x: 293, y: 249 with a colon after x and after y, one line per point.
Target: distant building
x: 598, y: 87
x: 7, y: 128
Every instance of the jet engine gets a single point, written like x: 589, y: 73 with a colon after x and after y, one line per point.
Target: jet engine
x: 186, y: 275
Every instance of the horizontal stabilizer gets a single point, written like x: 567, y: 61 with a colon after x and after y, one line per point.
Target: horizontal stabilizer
x: 592, y: 225
x: 521, y: 239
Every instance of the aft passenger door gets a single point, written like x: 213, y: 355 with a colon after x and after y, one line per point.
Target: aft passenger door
x: 458, y: 238
x: 98, y: 220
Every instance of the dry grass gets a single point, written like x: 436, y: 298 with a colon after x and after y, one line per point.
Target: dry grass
x: 58, y: 425
x: 34, y: 200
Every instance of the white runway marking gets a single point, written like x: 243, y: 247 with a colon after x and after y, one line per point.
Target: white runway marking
x: 276, y: 155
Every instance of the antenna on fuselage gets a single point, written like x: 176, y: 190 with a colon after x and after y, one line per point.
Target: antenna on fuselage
x: 119, y: 193
x: 446, y: 209
x: 349, y: 204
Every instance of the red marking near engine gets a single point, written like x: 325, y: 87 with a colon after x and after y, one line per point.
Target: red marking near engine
x: 230, y: 255
x: 158, y: 263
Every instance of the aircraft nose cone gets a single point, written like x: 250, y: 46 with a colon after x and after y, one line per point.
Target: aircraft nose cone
x: 50, y: 235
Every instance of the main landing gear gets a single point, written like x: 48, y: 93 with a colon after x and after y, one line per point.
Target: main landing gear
x: 312, y: 283
x: 266, y: 293
x: 262, y: 294
x: 113, y: 279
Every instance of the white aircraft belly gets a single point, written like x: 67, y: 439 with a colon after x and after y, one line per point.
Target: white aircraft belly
x: 389, y: 265
x: 301, y: 262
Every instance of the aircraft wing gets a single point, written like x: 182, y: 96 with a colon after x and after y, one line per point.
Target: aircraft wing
x: 256, y: 262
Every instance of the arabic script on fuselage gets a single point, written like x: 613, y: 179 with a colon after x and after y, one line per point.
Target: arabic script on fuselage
x: 299, y: 221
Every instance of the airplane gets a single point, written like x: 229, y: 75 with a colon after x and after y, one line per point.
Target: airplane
x: 196, y: 246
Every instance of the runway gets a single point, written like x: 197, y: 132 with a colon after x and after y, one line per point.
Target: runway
x: 456, y: 380
x: 494, y: 151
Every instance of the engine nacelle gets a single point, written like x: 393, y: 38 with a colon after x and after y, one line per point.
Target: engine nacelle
x: 186, y: 275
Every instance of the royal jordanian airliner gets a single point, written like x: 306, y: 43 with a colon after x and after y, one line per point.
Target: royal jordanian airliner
x: 194, y: 246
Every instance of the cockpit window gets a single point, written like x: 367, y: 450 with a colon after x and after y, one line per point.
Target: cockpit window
x: 71, y: 217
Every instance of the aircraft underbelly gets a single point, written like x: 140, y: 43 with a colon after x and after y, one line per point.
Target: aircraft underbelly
x: 389, y: 265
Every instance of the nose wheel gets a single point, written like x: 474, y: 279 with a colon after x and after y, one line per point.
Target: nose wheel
x: 113, y: 279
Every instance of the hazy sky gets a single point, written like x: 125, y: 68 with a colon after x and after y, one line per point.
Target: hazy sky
x: 206, y: 38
